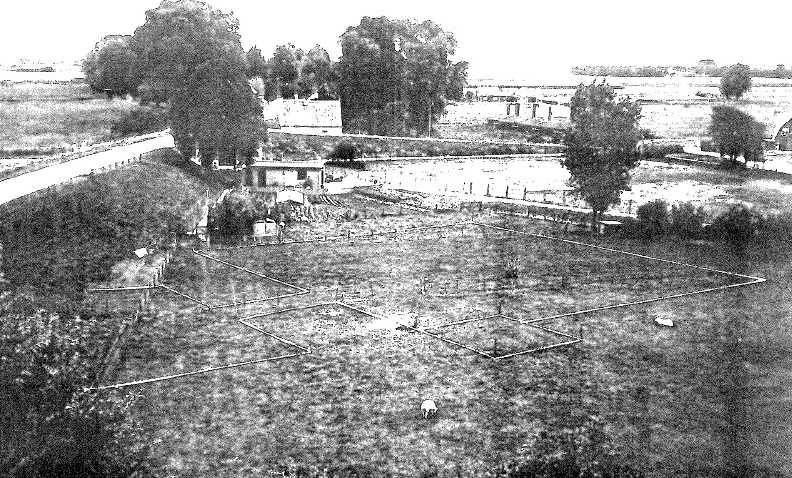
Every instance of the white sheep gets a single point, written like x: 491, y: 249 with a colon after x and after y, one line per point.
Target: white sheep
x: 428, y: 408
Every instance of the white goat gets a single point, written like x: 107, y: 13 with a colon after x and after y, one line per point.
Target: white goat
x: 428, y: 408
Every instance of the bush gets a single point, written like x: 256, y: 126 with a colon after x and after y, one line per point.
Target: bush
x: 686, y: 220
x: 653, y: 217
x: 235, y: 215
x: 140, y: 120
x: 738, y: 224
x: 344, y: 150
x: 52, y: 426
x: 659, y: 151
x: 708, y: 145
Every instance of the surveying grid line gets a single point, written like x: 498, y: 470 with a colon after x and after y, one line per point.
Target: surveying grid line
x: 249, y: 271
x: 121, y: 289
x: 195, y: 372
x: 539, y: 349
x: 438, y: 337
x: 634, y: 254
x: 370, y: 314
x: 464, y: 321
x: 169, y: 289
x: 536, y: 324
x: 290, y: 309
x: 645, y: 301
x: 276, y: 337
x: 256, y: 301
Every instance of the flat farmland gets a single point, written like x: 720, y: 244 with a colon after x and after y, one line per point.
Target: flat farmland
x: 40, y: 118
x: 352, y: 404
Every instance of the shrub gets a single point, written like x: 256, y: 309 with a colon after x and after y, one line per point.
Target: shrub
x: 708, y: 145
x: 738, y: 224
x: 686, y: 220
x: 236, y: 214
x: 653, y: 217
x: 344, y: 150
x: 140, y: 120
x: 52, y: 425
x: 659, y: 151
x: 630, y: 227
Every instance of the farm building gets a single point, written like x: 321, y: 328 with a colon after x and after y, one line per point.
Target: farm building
x: 264, y: 174
x: 783, y: 136
x: 304, y: 116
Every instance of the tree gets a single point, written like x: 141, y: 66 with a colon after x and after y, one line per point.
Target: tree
x: 653, y: 217
x: 736, y: 80
x: 51, y: 425
x: 396, y: 76
x: 108, y: 67
x: 601, y: 145
x: 284, y: 69
x: 737, y: 134
x: 257, y: 67
x: 190, y: 56
x: 318, y: 74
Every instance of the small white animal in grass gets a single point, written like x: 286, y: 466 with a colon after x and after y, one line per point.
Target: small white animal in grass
x: 428, y: 408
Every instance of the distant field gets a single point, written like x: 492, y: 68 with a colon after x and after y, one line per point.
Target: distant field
x: 40, y: 119
x: 353, y: 402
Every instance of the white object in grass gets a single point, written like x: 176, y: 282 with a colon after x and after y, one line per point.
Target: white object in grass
x: 663, y: 321
x: 428, y: 408
x: 141, y: 253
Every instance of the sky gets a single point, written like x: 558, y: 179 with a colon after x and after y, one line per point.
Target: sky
x: 500, y: 39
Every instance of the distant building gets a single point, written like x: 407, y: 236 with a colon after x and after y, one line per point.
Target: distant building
x: 303, y: 116
x: 533, y: 108
x: 285, y: 174
x: 783, y: 137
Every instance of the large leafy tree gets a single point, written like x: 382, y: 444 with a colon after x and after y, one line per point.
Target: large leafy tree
x: 284, y: 69
x: 396, y: 76
x: 601, y: 145
x: 737, y: 134
x: 735, y: 81
x: 318, y: 74
x: 109, y: 66
x: 190, y: 56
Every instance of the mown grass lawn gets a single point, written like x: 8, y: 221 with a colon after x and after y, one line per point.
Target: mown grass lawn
x: 353, y: 403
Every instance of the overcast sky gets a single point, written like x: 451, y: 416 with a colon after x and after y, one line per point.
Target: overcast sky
x: 500, y: 39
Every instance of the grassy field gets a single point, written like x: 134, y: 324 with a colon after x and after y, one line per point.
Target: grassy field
x: 352, y: 404
x: 41, y: 119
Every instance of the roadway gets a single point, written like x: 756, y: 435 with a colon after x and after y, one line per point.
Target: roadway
x: 25, y: 184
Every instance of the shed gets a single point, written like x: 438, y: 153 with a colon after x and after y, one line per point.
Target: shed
x: 308, y: 174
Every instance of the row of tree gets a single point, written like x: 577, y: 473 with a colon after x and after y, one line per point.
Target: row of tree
x: 601, y: 142
x: 394, y: 76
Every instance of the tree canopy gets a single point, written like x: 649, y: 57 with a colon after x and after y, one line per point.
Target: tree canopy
x: 396, y: 76
x: 601, y: 145
x: 109, y: 66
x: 736, y: 80
x: 737, y: 134
x: 190, y: 56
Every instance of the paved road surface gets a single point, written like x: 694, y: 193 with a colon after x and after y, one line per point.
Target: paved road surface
x: 19, y: 186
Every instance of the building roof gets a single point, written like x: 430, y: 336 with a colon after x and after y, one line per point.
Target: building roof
x: 299, y: 113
